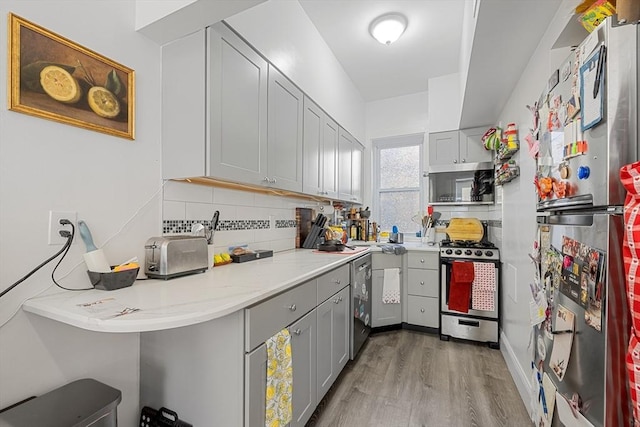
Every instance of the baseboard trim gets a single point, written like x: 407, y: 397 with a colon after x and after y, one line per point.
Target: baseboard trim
x: 520, y: 377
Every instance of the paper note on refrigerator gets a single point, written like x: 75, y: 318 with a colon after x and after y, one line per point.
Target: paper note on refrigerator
x: 567, y: 416
x: 563, y: 332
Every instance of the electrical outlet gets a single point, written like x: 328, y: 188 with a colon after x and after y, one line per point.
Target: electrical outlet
x: 54, y: 226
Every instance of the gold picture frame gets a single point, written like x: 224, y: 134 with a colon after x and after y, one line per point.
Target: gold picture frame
x: 54, y: 78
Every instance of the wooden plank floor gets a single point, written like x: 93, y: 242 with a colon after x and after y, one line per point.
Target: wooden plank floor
x: 404, y: 378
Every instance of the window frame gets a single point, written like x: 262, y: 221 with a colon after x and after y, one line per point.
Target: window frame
x: 391, y: 142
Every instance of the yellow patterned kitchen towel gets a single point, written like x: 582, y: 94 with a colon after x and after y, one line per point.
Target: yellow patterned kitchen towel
x: 279, y: 380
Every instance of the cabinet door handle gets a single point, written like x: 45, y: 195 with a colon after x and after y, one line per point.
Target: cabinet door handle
x: 272, y: 181
x: 422, y: 310
x: 337, y: 282
x: 340, y: 298
x: 422, y: 282
x: 455, y: 161
x: 297, y: 331
x: 422, y: 260
x: 292, y: 307
x: 336, y: 301
x: 266, y: 179
x: 464, y: 160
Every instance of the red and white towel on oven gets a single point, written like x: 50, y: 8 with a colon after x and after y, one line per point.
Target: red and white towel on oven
x: 630, y: 178
x: 483, y: 287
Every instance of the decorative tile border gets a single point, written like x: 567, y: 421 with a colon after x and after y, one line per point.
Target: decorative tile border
x: 286, y: 223
x: 182, y: 226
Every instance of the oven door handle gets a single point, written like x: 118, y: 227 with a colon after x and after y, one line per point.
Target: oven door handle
x: 474, y: 323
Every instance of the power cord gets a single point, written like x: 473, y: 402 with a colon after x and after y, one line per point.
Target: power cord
x: 65, y: 249
x: 69, y: 236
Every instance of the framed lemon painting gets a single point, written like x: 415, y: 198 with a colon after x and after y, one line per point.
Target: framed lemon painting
x: 54, y: 78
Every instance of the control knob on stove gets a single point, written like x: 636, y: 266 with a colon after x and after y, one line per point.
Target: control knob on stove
x: 478, y: 252
x: 458, y: 252
x: 448, y: 251
x: 489, y: 253
x: 467, y: 252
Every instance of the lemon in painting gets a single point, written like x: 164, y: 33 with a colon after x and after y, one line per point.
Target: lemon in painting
x: 59, y: 84
x: 103, y: 102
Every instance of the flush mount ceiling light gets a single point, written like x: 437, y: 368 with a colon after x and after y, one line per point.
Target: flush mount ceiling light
x: 388, y: 28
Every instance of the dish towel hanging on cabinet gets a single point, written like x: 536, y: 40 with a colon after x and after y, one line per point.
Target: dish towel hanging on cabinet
x: 391, y: 286
x: 279, y: 410
x: 630, y: 178
x: 483, y: 286
x: 462, y: 275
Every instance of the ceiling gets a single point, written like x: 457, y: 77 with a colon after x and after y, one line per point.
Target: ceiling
x: 431, y: 45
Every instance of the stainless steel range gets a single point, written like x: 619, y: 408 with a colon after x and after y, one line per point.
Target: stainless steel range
x: 477, y: 307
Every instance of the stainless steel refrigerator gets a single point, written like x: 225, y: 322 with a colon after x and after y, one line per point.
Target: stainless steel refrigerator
x: 588, y: 119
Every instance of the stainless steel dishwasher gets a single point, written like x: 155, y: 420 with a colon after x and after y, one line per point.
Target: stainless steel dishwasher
x: 360, y: 303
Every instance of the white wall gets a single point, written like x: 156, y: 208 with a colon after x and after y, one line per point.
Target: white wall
x: 445, y: 101
x: 284, y: 34
x: 107, y: 180
x: 519, y: 202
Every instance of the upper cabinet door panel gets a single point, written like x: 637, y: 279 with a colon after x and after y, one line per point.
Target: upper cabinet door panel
x: 443, y: 148
x: 345, y: 146
x: 357, y: 156
x: 311, y: 148
x: 183, y: 107
x: 285, y: 112
x: 471, y: 147
x: 330, y: 157
x: 238, y: 106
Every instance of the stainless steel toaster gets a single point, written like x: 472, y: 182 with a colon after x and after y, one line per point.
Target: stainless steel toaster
x: 173, y: 256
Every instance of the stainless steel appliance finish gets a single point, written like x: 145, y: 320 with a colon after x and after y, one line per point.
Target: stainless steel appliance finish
x: 597, y: 357
x: 174, y: 256
x: 475, y: 325
x: 590, y: 216
x: 360, y: 303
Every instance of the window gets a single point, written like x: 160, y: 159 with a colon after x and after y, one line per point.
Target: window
x: 397, y: 193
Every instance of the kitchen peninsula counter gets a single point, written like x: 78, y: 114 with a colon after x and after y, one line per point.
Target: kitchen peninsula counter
x: 153, y: 305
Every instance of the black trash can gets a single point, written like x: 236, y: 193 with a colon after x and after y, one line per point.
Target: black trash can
x: 82, y: 403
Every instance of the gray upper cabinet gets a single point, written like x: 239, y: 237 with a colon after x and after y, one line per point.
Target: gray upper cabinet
x: 183, y: 107
x: 284, y: 146
x: 320, y: 152
x: 238, y: 79
x: 357, y: 166
x: 471, y: 146
x: 233, y: 116
x: 350, y: 166
x: 345, y: 144
x: 444, y: 148
x: 456, y: 149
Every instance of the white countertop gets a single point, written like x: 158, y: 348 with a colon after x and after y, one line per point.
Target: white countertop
x: 188, y: 300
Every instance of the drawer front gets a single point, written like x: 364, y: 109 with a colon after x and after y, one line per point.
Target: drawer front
x: 331, y: 282
x: 423, y: 259
x: 266, y: 318
x: 423, y: 311
x: 423, y: 282
x: 473, y: 329
x: 380, y: 261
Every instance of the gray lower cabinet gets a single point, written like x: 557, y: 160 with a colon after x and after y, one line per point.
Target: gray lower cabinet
x: 303, y: 361
x: 386, y: 314
x: 255, y: 386
x: 333, y: 339
x: 383, y: 314
x: 423, y: 307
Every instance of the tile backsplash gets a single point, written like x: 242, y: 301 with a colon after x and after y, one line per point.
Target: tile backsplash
x: 261, y: 221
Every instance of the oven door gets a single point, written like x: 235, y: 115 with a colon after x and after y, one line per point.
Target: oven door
x: 445, y: 280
